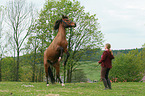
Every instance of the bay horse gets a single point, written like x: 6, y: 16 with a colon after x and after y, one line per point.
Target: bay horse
x: 54, y: 52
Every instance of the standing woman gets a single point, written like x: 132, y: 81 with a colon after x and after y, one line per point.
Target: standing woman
x: 106, y: 65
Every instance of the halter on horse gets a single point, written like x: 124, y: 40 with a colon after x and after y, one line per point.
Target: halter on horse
x: 54, y: 52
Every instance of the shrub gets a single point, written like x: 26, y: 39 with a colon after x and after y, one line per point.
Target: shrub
x: 8, y: 69
x: 79, y: 76
x: 127, y: 67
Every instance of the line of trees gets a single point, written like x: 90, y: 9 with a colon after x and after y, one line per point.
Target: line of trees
x: 29, y: 37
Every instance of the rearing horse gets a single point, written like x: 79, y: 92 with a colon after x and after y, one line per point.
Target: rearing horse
x: 54, y: 52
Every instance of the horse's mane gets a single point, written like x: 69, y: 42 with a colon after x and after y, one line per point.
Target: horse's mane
x: 56, y: 26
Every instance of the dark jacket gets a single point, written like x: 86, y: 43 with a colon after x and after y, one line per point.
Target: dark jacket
x: 106, y: 59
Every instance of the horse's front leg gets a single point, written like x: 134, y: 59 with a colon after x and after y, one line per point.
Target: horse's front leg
x: 67, y: 56
x: 61, y: 50
x: 58, y: 77
x: 67, y: 53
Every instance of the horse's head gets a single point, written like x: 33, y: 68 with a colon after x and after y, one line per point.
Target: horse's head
x: 65, y: 22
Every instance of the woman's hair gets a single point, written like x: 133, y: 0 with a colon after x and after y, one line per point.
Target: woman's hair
x: 108, y: 46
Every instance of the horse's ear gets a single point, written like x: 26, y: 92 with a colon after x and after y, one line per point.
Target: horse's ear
x: 63, y: 16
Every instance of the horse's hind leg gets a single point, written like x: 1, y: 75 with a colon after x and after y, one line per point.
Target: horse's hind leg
x: 51, y: 75
x: 46, y: 73
x: 57, y: 67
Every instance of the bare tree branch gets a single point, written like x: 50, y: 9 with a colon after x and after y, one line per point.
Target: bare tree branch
x: 20, y: 19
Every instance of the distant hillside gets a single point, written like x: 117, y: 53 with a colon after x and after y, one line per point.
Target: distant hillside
x: 115, y: 52
x: 95, y: 54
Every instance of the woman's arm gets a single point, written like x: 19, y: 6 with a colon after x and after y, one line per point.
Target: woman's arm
x: 103, y: 57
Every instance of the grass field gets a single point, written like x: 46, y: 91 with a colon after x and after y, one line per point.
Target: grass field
x: 71, y: 89
x: 91, y: 69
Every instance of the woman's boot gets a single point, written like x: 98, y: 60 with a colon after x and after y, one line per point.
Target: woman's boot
x: 109, y: 83
x: 105, y: 84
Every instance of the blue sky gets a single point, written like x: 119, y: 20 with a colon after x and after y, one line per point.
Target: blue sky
x: 122, y: 21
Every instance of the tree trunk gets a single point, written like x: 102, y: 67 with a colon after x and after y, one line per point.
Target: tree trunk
x: 17, y: 69
x: 64, y: 73
x: 0, y: 69
x: 42, y: 68
x: 33, y: 66
x: 42, y: 53
x: 39, y: 76
x: 69, y: 49
x: 71, y: 72
x: 69, y: 75
x: 14, y: 64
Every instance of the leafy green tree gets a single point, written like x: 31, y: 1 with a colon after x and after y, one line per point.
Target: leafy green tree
x: 127, y: 67
x: 33, y: 45
x: 143, y: 45
x: 85, y: 36
x: 142, y: 52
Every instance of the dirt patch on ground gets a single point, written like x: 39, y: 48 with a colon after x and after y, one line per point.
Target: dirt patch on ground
x: 4, y: 91
x: 52, y: 95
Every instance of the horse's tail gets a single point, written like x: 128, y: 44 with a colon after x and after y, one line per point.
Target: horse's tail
x: 51, y: 75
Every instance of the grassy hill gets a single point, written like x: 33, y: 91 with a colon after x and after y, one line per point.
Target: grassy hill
x: 71, y: 89
x: 91, y: 69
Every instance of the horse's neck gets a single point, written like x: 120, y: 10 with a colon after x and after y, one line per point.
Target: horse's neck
x: 62, y: 32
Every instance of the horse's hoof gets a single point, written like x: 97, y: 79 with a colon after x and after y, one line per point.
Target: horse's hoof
x: 47, y: 84
x: 63, y: 84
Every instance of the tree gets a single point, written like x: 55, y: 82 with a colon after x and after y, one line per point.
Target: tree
x: 1, y: 44
x: 127, y: 67
x: 19, y: 20
x: 143, y: 46
x: 79, y: 76
x: 142, y: 52
x: 85, y: 36
x: 33, y: 45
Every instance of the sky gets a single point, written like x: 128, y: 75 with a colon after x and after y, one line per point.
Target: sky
x: 122, y: 21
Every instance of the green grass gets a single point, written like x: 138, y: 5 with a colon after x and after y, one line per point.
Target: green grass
x: 71, y: 89
x: 91, y: 69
